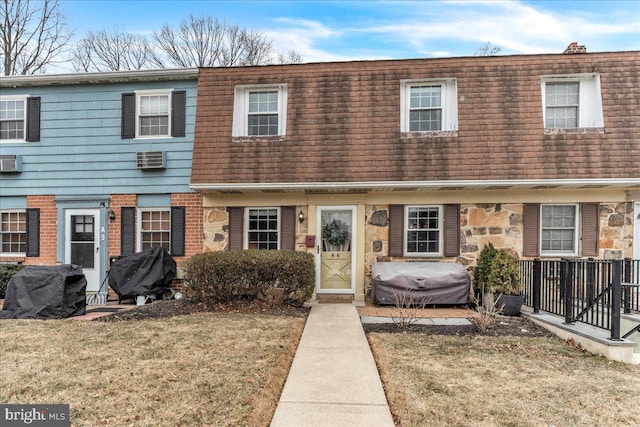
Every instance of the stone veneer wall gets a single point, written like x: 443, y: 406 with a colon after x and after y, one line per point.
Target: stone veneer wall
x: 501, y: 225
x: 482, y: 223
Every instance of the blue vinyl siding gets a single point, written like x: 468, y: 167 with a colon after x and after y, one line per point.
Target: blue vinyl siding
x: 81, y: 150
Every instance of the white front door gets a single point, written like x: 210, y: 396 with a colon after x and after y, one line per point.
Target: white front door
x: 82, y: 243
x: 336, y: 250
x: 636, y: 232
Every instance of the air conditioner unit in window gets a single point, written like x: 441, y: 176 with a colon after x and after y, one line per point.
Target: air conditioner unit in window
x: 151, y: 159
x: 10, y: 163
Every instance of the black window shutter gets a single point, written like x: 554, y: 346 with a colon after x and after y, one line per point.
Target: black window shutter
x: 178, y: 112
x: 128, y: 231
x: 33, y: 232
x: 235, y: 227
x: 128, y: 129
x: 531, y: 230
x: 590, y: 228
x: 451, y: 230
x: 33, y: 119
x: 177, y: 230
x: 396, y: 230
x: 288, y: 228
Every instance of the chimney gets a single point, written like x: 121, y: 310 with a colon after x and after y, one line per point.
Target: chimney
x: 574, y: 47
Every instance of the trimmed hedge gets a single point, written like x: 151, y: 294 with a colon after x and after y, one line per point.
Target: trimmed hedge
x: 6, y: 273
x: 228, y: 275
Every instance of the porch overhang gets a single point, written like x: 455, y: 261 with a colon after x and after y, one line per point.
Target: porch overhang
x: 386, y: 186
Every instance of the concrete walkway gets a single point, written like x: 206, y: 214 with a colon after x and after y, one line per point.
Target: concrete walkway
x: 333, y: 380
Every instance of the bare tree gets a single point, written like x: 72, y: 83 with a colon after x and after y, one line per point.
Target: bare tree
x: 291, y: 57
x: 33, y: 35
x: 488, y: 49
x: 112, y: 50
x: 206, y: 42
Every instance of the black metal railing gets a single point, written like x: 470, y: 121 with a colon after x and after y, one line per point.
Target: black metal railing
x: 590, y: 291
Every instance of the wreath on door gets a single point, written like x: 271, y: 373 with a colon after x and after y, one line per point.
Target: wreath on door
x: 336, y: 232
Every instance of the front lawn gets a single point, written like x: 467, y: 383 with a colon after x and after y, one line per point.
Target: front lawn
x: 474, y: 380
x: 192, y: 370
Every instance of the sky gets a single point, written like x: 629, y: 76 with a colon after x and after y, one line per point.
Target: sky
x: 352, y: 30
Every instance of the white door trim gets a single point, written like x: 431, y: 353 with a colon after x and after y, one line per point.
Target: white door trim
x: 353, y: 248
x: 91, y: 274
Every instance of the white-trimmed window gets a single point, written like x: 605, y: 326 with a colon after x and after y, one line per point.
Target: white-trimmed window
x: 428, y: 105
x: 262, y: 228
x: 155, y: 228
x: 559, y: 230
x: 572, y: 101
x: 423, y: 231
x: 13, y: 118
x: 13, y: 232
x: 260, y: 110
x: 153, y: 116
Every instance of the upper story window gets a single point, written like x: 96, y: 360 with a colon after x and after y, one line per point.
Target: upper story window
x: 153, y: 115
x: 153, y: 118
x: 559, y: 230
x: 423, y: 230
x: 12, y: 118
x: 572, y: 101
x: 428, y: 105
x: 13, y: 232
x: 260, y: 110
x: 263, y: 228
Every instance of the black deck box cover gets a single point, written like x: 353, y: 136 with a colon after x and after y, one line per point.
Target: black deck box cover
x: 149, y: 272
x: 431, y: 282
x: 46, y: 292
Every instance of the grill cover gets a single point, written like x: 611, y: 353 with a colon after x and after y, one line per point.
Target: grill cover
x: 438, y: 282
x: 45, y: 292
x: 144, y: 273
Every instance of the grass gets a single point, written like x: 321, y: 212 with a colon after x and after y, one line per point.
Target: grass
x: 200, y: 369
x: 436, y: 380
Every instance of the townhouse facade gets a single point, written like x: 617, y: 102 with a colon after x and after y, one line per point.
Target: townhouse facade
x: 95, y: 166
x: 421, y: 160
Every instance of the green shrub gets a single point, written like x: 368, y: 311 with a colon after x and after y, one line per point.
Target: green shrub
x: 484, y: 267
x: 504, y: 277
x: 6, y: 273
x: 227, y: 275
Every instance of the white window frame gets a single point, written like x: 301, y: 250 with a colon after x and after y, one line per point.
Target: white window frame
x: 245, y: 243
x: 590, y: 98
x: 576, y: 232
x: 139, y: 225
x: 240, y: 127
x: 14, y: 254
x: 449, y: 103
x: 22, y: 98
x: 163, y: 92
x: 407, y: 230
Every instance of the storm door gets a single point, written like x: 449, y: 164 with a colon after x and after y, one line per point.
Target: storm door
x: 82, y: 244
x: 335, y: 251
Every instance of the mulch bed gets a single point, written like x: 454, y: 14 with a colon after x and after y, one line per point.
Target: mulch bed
x: 504, y: 326
x: 161, y: 309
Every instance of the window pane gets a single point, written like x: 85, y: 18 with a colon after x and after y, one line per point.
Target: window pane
x: 154, y: 115
x: 13, y: 234
x: 263, y: 124
x: 263, y: 228
x: 263, y: 102
x: 423, y: 233
x: 12, y: 119
x: 558, y: 228
x: 155, y: 229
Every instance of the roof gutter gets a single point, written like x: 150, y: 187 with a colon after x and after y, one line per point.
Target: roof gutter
x: 425, y: 185
x: 103, y: 77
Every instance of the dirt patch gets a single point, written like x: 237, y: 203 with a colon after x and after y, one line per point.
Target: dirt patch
x: 161, y: 309
x: 504, y: 326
